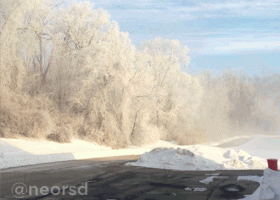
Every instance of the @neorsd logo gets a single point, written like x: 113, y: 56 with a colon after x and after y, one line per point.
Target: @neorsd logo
x: 20, y: 190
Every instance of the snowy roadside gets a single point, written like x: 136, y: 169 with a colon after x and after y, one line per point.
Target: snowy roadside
x: 168, y: 155
x: 22, y: 152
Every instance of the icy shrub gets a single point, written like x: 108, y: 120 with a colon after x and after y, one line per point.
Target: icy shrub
x: 2, y: 133
x: 23, y: 116
x: 61, y: 135
x: 146, y: 134
x: 188, y: 137
x: 102, y: 136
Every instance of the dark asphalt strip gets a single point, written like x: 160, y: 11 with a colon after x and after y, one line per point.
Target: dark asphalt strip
x: 116, y: 181
x: 212, y: 190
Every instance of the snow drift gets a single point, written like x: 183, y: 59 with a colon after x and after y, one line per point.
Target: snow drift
x: 199, y: 157
x: 269, y: 187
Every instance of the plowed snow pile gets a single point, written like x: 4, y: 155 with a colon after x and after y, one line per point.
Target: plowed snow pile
x: 199, y: 157
x: 269, y: 187
x: 177, y: 159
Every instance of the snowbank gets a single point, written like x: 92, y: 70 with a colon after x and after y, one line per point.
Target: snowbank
x: 199, y: 157
x: 177, y: 159
x: 269, y: 187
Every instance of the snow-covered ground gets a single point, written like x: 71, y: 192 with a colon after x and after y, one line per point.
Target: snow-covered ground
x: 199, y: 157
x: 21, y: 152
x: 166, y: 155
x: 250, y: 155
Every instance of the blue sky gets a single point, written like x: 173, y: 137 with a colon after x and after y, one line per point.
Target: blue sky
x: 243, y: 35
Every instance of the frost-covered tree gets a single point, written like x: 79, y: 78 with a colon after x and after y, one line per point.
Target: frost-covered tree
x: 187, y: 102
x: 77, y: 39
x: 37, y: 38
x: 69, y: 59
x: 20, y: 114
x: 105, y: 61
x: 266, y: 109
x: 11, y: 61
x: 241, y: 97
x: 163, y: 58
x: 214, y: 111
